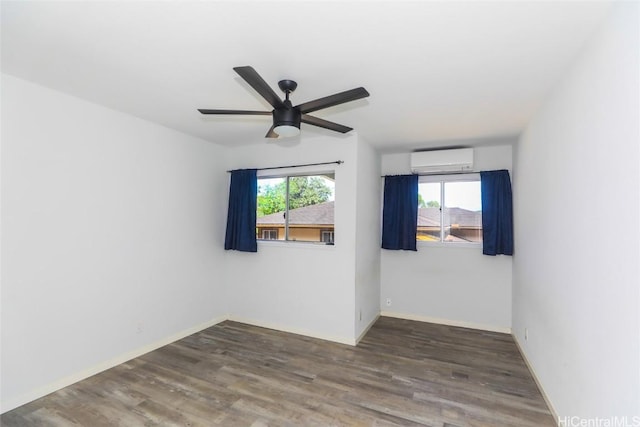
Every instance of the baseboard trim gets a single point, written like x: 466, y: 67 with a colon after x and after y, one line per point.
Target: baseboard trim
x: 297, y: 331
x: 103, y: 366
x: 364, y: 332
x: 448, y: 322
x: 537, y: 381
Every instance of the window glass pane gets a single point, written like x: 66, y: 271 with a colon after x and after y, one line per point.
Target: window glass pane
x: 311, y: 200
x: 428, y: 212
x: 271, y: 207
x: 462, y: 213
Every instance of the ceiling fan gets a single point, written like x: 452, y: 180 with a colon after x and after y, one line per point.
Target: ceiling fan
x: 286, y: 117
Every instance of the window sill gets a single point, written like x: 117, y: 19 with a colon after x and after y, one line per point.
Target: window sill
x: 295, y: 244
x: 449, y: 245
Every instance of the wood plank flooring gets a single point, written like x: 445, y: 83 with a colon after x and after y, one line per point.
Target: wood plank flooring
x: 232, y: 374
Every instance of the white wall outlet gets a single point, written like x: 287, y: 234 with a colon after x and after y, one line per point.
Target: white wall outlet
x: 526, y: 334
x: 388, y: 302
x: 360, y: 315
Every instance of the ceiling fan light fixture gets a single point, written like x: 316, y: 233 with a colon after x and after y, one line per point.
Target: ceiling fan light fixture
x: 286, y: 121
x: 286, y: 130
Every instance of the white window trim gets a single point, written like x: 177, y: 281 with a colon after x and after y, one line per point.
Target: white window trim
x: 302, y: 171
x: 422, y: 243
x: 295, y: 244
x: 449, y: 178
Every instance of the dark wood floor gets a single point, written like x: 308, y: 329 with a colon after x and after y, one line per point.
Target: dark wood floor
x: 401, y: 373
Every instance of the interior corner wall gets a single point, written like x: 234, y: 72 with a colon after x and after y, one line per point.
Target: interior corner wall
x: 576, y: 207
x: 447, y: 284
x: 302, y: 288
x: 368, y: 237
x: 112, y: 229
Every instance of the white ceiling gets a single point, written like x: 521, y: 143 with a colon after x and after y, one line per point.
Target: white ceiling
x: 437, y: 72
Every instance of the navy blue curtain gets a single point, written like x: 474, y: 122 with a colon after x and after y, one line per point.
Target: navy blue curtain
x: 400, y: 212
x: 497, y: 213
x: 241, y: 216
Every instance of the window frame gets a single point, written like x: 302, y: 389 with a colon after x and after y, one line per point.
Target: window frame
x: 285, y: 174
x: 442, y: 179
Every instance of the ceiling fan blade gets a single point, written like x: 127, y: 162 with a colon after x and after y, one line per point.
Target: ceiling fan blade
x: 311, y: 120
x: 271, y: 133
x: 331, y: 100
x: 239, y: 112
x: 252, y: 77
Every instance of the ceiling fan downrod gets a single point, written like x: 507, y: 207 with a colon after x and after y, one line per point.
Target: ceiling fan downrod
x: 287, y: 86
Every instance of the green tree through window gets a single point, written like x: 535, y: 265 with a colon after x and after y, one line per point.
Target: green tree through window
x: 303, y: 191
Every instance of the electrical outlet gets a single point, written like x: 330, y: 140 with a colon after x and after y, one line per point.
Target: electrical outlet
x: 388, y: 302
x: 526, y: 334
x: 360, y: 315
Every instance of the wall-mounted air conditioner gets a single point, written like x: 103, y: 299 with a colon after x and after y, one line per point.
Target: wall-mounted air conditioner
x: 442, y: 161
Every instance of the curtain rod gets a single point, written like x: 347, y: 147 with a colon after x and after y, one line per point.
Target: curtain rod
x: 438, y: 174
x: 337, y: 162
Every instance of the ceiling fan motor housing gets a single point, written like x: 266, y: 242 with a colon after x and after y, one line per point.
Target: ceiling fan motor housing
x: 287, y: 116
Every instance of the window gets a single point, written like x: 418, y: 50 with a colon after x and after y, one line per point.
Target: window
x: 326, y: 236
x: 449, y: 209
x: 296, y: 208
x: 269, y: 234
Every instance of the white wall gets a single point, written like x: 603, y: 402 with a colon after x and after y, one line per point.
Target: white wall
x: 111, y: 238
x: 576, y: 193
x: 457, y: 286
x: 368, y: 238
x: 301, y: 287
